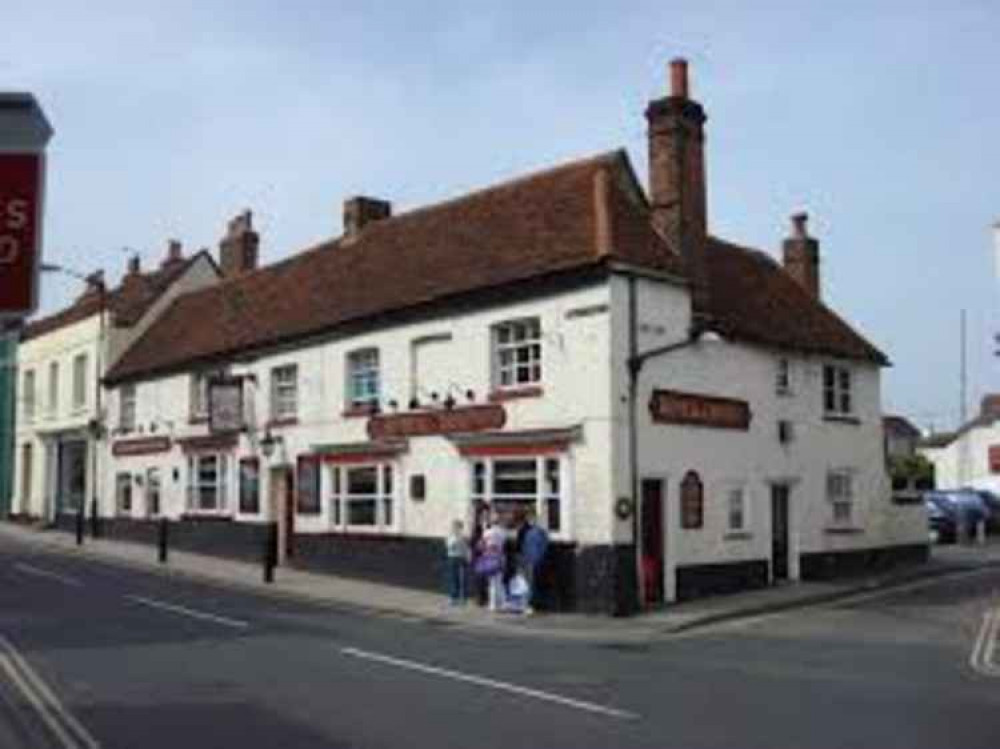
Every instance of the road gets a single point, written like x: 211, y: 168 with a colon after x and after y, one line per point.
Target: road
x: 134, y: 659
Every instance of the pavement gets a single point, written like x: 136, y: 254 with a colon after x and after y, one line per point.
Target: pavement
x: 418, y: 605
x: 119, y: 655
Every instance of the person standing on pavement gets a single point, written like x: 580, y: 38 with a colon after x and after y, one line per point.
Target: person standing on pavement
x: 491, y: 562
x: 457, y: 551
x: 534, y: 543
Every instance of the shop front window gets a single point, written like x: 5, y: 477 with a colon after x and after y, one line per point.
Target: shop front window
x: 207, y: 483
x: 363, y: 496
x: 516, y: 485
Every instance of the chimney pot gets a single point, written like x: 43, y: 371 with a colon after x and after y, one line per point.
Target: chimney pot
x: 134, y: 265
x: 800, y: 221
x: 679, y: 78
x: 175, y: 251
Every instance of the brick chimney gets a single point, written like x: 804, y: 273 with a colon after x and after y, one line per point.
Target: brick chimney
x: 134, y: 266
x: 800, y: 256
x: 175, y: 253
x: 360, y: 211
x: 677, y: 175
x: 239, y: 249
x: 990, y: 406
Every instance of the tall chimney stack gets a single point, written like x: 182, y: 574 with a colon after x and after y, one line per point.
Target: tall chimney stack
x: 677, y: 176
x: 238, y: 250
x: 800, y: 255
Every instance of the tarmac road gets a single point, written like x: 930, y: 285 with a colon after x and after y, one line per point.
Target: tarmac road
x: 134, y: 660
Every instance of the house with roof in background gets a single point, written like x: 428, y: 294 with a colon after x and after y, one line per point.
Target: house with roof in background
x: 969, y: 456
x: 60, y: 360
x: 684, y: 414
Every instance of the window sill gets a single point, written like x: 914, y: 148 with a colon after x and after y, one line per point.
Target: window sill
x: 287, y: 421
x: 197, y: 420
x: 514, y: 393
x: 842, y: 419
x: 358, y: 412
x: 738, y: 536
x: 843, y: 530
x: 784, y: 393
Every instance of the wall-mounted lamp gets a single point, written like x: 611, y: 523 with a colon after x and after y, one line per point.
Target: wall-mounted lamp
x: 414, y: 403
x: 268, y: 443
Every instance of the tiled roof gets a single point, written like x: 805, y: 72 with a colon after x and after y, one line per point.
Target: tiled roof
x: 577, y: 216
x: 900, y: 425
x: 751, y: 298
x: 127, y: 302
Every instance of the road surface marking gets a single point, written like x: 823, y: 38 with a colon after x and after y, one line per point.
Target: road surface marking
x: 984, y: 650
x: 490, y: 683
x: 39, y: 572
x: 66, y: 728
x: 189, y: 612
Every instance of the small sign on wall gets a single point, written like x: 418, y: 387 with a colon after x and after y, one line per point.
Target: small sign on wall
x: 675, y: 407
x: 994, y: 458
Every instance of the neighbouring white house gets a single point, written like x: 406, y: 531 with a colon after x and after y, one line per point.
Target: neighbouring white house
x: 60, y: 358
x: 969, y: 456
x: 684, y: 414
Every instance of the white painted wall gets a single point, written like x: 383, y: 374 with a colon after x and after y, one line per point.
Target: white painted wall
x: 576, y: 382
x: 965, y: 461
x: 752, y: 459
x: 62, y: 345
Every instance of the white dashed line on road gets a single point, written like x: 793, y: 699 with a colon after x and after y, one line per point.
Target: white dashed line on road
x: 29, y: 569
x: 174, y: 608
x: 490, y: 683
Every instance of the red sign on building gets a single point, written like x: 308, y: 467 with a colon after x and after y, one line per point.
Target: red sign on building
x: 24, y: 133
x: 674, y: 407
x: 424, y: 423
x: 20, y: 192
x: 994, y: 458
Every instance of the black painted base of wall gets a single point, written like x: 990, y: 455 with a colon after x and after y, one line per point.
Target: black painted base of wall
x: 698, y: 581
x: 828, y: 565
x: 218, y: 537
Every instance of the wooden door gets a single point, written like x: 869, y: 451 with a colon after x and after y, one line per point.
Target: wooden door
x: 652, y: 541
x: 779, y: 532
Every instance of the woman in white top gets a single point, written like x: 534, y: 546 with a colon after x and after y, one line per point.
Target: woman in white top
x: 493, y: 541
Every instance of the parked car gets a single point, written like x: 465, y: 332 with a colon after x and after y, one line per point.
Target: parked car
x: 940, y: 524
x: 963, y: 509
x: 992, y: 503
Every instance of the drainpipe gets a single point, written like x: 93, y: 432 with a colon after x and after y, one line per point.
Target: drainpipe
x: 634, y: 364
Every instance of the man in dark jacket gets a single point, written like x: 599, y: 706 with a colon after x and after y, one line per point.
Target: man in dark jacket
x: 533, y: 544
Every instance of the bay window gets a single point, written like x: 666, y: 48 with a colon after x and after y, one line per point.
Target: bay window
x: 363, y: 496
x: 519, y: 484
x: 206, y: 490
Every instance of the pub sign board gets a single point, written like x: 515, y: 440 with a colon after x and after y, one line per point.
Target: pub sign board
x: 225, y: 405
x: 994, y: 458
x: 24, y: 133
x: 676, y: 407
x: 446, y: 421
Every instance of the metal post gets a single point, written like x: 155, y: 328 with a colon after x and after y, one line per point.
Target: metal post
x: 93, y: 519
x: 80, y: 519
x: 270, y: 551
x: 162, y: 533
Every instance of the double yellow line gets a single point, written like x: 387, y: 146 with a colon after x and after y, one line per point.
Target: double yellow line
x: 984, y: 652
x: 57, y: 719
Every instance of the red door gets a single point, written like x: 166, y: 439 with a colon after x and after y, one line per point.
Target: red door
x: 652, y: 541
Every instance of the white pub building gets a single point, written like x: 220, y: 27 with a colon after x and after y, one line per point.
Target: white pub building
x: 685, y: 414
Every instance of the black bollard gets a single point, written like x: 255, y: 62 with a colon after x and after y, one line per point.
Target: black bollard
x: 270, y: 552
x: 93, y: 518
x: 162, y: 530
x: 80, y: 519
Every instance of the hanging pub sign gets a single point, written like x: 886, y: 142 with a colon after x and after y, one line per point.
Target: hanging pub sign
x: 225, y: 405
x: 447, y: 421
x: 24, y: 133
x: 676, y: 407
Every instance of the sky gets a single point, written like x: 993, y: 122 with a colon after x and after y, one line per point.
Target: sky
x: 879, y: 119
